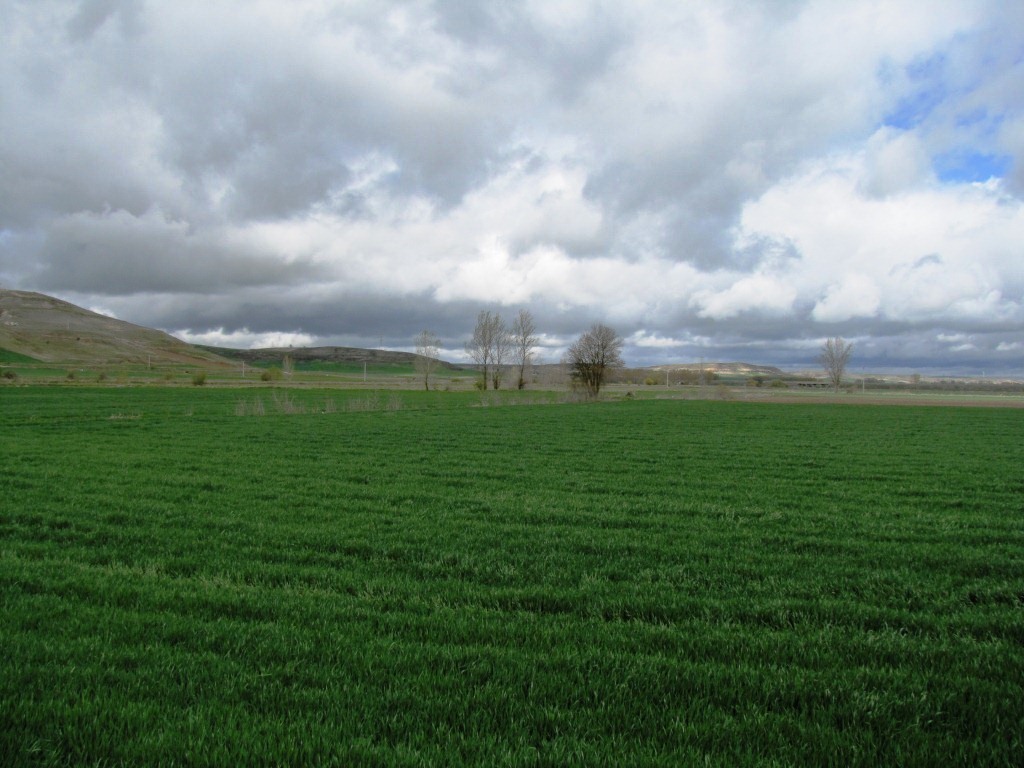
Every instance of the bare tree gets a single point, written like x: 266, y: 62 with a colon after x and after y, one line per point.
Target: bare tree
x: 524, y: 339
x: 502, y: 347
x: 489, y: 347
x: 427, y: 350
x: 834, y: 357
x: 592, y: 355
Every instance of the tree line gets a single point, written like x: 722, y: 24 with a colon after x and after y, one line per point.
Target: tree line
x: 498, y: 349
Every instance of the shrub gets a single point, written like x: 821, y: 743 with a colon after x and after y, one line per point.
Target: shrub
x: 271, y: 374
x: 369, y: 403
x: 650, y: 381
x: 255, y: 408
x: 199, y: 378
x: 285, y: 404
x: 10, y: 375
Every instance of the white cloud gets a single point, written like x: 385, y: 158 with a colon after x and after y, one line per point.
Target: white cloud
x: 854, y: 296
x: 654, y: 341
x: 101, y: 310
x: 757, y: 294
x: 927, y: 252
x: 244, y: 338
x: 895, y: 161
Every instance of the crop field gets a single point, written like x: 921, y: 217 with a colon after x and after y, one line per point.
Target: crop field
x: 356, y: 578
x: 314, y: 373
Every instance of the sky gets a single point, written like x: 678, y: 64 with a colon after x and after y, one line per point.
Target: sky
x: 732, y: 181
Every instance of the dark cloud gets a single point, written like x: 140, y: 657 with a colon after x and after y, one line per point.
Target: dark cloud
x: 116, y: 253
x: 560, y: 55
x: 94, y: 14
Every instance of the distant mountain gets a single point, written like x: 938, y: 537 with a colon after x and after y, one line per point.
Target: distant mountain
x: 319, y: 354
x: 49, y: 330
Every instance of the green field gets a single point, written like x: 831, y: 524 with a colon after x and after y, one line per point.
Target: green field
x: 6, y: 356
x: 374, y: 578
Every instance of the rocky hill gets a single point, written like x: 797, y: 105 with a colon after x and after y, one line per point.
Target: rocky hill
x: 49, y: 330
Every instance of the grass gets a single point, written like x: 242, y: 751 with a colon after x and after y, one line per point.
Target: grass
x: 356, y: 369
x: 7, y: 356
x: 628, y: 583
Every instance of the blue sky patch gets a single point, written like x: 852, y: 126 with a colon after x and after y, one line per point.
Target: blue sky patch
x: 965, y: 166
x: 913, y: 109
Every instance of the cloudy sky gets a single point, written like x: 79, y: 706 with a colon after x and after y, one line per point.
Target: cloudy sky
x: 716, y: 180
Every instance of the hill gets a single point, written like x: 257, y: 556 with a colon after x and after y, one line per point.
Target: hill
x: 272, y: 355
x: 48, y: 330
